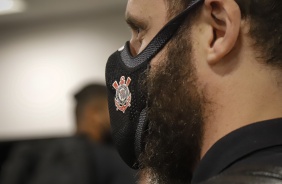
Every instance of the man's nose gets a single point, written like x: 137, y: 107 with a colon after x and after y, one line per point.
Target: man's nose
x: 134, y: 47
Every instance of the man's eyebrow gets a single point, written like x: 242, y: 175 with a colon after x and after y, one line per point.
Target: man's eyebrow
x: 135, y: 22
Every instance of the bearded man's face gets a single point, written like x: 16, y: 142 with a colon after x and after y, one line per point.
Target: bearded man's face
x: 174, y: 136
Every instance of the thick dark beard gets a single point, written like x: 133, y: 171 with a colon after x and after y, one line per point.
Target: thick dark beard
x: 174, y: 135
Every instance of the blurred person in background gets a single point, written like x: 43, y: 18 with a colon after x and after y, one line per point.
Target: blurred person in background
x: 80, y: 159
x: 91, y: 113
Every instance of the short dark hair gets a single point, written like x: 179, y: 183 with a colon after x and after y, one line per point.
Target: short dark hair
x: 265, y: 17
x: 88, y: 94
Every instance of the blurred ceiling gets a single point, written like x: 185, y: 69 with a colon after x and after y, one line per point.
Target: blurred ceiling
x: 44, y: 9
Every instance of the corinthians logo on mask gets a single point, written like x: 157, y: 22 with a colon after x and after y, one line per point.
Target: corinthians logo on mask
x: 123, y: 95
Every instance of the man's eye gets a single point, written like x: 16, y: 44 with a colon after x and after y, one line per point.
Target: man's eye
x: 136, y: 29
x: 137, y: 32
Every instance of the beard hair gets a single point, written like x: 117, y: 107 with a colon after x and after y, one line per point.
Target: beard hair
x: 174, y: 136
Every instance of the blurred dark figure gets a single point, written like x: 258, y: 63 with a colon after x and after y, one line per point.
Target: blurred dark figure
x: 81, y: 159
x: 92, y: 116
x: 5, y: 150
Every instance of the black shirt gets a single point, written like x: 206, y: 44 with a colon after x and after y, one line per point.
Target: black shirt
x: 258, y: 143
x: 70, y: 160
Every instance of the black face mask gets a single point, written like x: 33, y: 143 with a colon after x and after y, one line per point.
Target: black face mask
x: 125, y: 77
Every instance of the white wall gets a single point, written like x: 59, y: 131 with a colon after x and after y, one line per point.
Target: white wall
x: 42, y: 64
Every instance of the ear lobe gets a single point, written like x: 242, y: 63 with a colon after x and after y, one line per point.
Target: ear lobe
x: 225, y: 19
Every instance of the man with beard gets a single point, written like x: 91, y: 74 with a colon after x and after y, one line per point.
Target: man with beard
x: 212, y: 99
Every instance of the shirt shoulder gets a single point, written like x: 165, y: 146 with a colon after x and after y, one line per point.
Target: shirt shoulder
x: 249, y: 174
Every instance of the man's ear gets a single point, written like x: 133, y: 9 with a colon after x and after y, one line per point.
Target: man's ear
x: 225, y: 18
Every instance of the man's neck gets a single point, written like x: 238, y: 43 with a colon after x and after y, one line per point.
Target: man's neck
x: 256, y: 96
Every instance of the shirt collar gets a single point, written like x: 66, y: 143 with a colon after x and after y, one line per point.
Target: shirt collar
x: 236, y: 145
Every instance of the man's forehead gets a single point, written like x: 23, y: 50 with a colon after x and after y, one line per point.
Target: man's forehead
x: 144, y: 6
x: 138, y: 7
x: 141, y: 9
